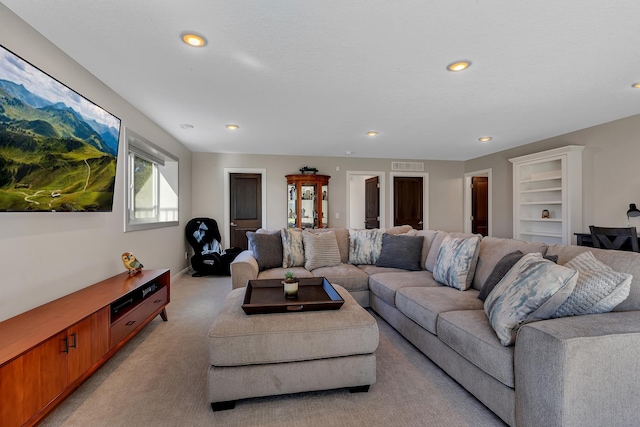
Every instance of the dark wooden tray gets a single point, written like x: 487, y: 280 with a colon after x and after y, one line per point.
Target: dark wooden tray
x: 267, y: 296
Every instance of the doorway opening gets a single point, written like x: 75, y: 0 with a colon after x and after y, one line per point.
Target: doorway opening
x: 478, y: 202
x: 408, y: 206
x: 357, y: 199
x: 256, y: 207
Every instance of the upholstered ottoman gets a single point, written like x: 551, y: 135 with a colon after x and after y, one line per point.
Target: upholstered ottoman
x: 278, y: 353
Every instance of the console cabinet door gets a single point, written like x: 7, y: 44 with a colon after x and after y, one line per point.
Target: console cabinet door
x: 32, y: 380
x: 88, y: 342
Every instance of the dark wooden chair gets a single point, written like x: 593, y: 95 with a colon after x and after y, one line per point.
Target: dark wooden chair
x: 614, y: 238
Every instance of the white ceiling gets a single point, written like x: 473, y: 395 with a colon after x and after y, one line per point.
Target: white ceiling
x: 311, y: 78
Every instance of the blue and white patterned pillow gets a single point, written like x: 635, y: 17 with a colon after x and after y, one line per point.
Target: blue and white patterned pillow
x: 292, y: 248
x: 532, y: 290
x: 455, y: 258
x: 599, y: 289
x: 365, y: 246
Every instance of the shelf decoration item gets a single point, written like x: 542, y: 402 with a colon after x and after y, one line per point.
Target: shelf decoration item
x: 290, y: 283
x: 308, y: 170
x: 545, y: 214
x: 131, y: 263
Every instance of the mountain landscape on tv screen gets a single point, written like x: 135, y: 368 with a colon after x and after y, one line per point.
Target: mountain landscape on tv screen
x: 52, y: 158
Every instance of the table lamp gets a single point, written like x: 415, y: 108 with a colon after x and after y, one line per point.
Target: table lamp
x: 632, y: 212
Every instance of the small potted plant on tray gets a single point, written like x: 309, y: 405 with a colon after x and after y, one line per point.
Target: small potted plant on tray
x: 290, y: 283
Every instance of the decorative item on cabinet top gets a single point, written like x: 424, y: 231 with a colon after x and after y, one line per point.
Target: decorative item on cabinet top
x: 308, y: 170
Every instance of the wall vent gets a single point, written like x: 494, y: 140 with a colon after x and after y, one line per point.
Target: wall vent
x: 407, y: 166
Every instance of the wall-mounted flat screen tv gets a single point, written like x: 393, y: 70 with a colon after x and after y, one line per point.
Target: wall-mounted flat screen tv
x: 58, y: 150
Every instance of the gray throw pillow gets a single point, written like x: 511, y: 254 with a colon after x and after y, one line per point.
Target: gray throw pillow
x: 400, y: 251
x: 267, y: 249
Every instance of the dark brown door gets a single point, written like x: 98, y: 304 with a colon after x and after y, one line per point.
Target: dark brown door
x: 246, y: 206
x: 407, y: 201
x: 480, y: 205
x: 372, y: 203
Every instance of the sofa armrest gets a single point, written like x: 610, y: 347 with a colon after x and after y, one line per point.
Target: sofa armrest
x: 243, y: 268
x: 578, y: 371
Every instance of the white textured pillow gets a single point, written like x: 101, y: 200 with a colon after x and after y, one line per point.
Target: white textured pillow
x: 320, y: 250
x: 455, y: 258
x: 599, y: 289
x: 532, y: 290
x: 292, y: 248
x: 365, y: 246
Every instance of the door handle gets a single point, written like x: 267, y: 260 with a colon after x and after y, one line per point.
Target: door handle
x: 420, y: 223
x: 233, y: 224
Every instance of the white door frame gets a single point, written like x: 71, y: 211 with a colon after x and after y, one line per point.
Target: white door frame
x: 381, y: 180
x: 226, y: 229
x: 425, y: 196
x: 467, y: 199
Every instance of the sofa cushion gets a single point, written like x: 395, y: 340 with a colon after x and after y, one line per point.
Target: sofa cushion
x: 400, y: 251
x: 374, y: 269
x: 364, y: 246
x: 348, y: 276
x: 469, y: 333
x: 493, y: 249
x: 429, y: 236
x: 532, y: 290
x: 599, y: 289
x: 385, y: 285
x: 320, y: 250
x: 292, y: 248
x: 278, y: 273
x: 267, y: 249
x: 455, y: 258
x: 624, y: 262
x: 423, y: 305
x: 398, y: 229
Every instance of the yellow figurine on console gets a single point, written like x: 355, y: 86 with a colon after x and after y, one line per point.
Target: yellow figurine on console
x: 131, y: 263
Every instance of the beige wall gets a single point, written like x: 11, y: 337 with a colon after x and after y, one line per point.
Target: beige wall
x: 47, y: 255
x: 445, y: 186
x: 610, y: 174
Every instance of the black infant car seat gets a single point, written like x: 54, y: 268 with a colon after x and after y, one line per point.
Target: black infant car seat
x: 209, y: 258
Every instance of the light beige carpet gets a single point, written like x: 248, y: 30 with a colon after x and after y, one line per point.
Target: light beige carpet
x: 160, y: 377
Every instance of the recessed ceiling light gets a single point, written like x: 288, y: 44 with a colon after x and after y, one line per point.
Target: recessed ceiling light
x: 194, y: 40
x: 233, y: 127
x: 186, y: 126
x: 636, y: 85
x: 372, y: 133
x: 484, y: 139
x: 348, y: 153
x: 459, y: 65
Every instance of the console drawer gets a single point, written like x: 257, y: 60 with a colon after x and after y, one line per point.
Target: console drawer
x: 137, y: 316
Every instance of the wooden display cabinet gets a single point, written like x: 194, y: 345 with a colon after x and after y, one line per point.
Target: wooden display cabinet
x: 47, y: 352
x: 307, y: 201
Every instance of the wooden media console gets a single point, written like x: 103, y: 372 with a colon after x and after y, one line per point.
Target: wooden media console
x: 47, y: 352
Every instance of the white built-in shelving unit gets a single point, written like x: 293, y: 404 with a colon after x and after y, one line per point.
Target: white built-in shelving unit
x: 552, y: 181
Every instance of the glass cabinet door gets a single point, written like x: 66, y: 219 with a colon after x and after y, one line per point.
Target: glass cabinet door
x: 325, y: 206
x: 291, y: 205
x: 308, y: 206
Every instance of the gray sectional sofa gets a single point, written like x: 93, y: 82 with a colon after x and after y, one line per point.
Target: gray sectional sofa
x: 569, y: 371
